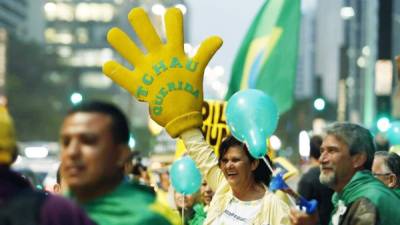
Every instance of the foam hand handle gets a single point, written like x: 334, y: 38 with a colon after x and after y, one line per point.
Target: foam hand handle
x: 165, y: 77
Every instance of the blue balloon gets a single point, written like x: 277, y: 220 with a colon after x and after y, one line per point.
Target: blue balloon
x: 252, y: 116
x: 393, y: 134
x: 185, y: 177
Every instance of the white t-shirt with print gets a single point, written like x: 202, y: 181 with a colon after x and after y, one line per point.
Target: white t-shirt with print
x: 239, y: 212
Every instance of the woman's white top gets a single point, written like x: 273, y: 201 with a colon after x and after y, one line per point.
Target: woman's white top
x: 239, y: 212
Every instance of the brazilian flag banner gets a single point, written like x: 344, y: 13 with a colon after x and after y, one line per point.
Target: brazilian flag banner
x: 267, y: 58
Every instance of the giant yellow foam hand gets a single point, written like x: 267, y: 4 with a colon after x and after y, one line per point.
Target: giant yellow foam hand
x: 165, y: 77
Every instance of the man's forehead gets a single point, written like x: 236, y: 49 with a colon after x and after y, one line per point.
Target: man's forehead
x: 331, y: 140
x: 379, y: 160
x: 88, y: 116
x: 87, y: 120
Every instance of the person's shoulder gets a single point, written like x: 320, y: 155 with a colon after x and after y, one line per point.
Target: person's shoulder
x: 59, y: 202
x: 134, y: 192
x: 312, y: 173
x: 165, y: 212
x: 58, y: 210
x: 314, y: 170
x: 362, y: 202
x: 139, y: 191
x: 151, y: 218
x: 275, y: 201
x: 142, y: 188
x: 397, y: 192
x: 361, y: 210
x: 275, y: 210
x: 375, y: 189
x: 154, y: 213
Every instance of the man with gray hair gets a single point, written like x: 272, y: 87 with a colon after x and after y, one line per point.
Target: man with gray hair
x: 347, y: 153
x: 386, y: 168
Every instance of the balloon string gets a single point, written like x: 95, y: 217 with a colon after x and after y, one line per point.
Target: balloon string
x: 183, y: 210
x: 290, y: 197
x: 269, y: 165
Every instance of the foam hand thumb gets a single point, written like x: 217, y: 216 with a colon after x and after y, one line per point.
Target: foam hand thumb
x: 165, y: 77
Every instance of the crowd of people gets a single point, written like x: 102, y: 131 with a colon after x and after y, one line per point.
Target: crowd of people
x: 94, y: 152
x: 352, y: 183
x: 362, y: 184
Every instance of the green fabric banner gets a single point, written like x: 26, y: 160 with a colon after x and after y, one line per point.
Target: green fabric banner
x: 267, y: 58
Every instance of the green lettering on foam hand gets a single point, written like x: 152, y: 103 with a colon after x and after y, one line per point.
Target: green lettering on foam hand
x: 191, y: 65
x: 163, y: 92
x: 157, y: 110
x: 196, y: 93
x: 159, y: 100
x: 160, y: 67
x: 147, y: 79
x: 180, y: 85
x: 175, y: 63
x: 171, y: 86
x: 141, y: 92
x: 188, y: 87
x: 160, y: 96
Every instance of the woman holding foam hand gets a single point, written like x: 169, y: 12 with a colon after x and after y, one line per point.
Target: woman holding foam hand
x: 171, y: 83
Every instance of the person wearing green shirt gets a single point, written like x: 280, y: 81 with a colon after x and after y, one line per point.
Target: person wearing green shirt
x: 94, y: 148
x: 347, y: 154
x: 200, y: 209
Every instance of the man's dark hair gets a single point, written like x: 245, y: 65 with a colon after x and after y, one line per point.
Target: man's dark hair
x: 119, y: 123
x: 357, y: 138
x: 261, y: 174
x: 315, y: 145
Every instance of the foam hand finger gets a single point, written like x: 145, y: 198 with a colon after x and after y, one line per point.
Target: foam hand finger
x: 144, y: 29
x: 207, y: 49
x: 170, y: 81
x: 125, y: 78
x: 124, y: 46
x: 174, y: 29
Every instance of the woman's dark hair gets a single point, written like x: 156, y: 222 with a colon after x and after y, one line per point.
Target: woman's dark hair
x: 261, y: 174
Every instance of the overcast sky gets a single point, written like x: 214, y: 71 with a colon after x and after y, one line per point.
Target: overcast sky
x: 228, y: 19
